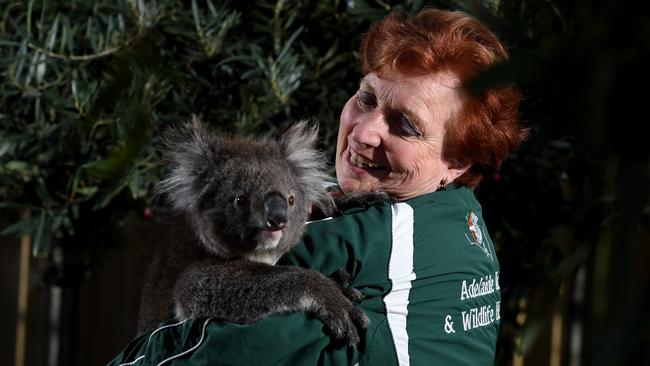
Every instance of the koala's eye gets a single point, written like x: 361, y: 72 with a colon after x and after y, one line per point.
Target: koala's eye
x: 241, y: 200
x: 291, y: 201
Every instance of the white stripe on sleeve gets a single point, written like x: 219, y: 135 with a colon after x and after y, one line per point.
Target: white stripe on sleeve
x: 400, y: 272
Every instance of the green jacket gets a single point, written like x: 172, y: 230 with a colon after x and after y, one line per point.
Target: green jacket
x: 426, y: 266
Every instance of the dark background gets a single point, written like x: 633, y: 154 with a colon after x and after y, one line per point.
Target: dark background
x: 87, y: 86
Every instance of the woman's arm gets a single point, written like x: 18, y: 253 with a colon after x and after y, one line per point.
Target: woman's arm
x: 286, y: 339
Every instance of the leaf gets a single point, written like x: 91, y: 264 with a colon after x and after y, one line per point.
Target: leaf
x: 23, y: 227
x: 51, y: 38
x: 33, y: 66
x: 121, y: 159
x: 134, y: 183
x: 18, y: 166
x: 197, y: 18
x: 287, y: 45
x: 43, y: 236
x: 22, y: 56
x: 42, y: 191
x: 108, y: 196
x: 30, y: 7
x: 7, y: 43
x: 18, y: 206
x: 87, y: 191
x: 6, y: 147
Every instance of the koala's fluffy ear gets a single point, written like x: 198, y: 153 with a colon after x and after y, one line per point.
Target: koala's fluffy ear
x: 188, y: 149
x: 309, y: 165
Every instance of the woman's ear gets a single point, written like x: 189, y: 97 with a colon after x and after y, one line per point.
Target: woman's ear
x: 453, y: 173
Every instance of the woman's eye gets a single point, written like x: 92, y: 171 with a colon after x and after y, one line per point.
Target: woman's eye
x: 407, y: 128
x: 410, y: 127
x: 365, y: 100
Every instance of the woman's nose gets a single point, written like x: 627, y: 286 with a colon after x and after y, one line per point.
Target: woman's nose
x: 369, y: 129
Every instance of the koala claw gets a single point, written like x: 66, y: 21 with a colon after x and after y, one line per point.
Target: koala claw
x: 359, y: 318
x: 353, y: 294
x: 345, y: 329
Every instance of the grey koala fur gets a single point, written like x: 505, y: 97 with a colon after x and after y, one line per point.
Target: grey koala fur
x: 246, y: 202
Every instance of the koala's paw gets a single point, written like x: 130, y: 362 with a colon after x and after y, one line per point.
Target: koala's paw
x: 361, y: 199
x: 344, y: 324
x: 336, y: 309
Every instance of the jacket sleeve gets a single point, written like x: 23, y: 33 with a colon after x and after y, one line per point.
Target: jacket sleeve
x: 281, y: 339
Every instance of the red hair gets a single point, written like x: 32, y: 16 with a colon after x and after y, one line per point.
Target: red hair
x: 486, y: 128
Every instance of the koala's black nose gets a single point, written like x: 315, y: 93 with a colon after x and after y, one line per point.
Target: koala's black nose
x: 275, y: 212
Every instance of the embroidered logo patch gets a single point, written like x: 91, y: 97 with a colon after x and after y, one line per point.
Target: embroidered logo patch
x: 476, y: 236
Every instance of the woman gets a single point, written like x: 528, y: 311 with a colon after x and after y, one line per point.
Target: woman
x: 425, y: 264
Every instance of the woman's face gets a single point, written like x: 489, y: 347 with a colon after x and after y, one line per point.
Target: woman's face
x: 391, y: 135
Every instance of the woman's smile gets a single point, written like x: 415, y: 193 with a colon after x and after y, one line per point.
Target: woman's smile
x: 361, y: 162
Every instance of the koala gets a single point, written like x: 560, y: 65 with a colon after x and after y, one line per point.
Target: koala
x: 244, y: 204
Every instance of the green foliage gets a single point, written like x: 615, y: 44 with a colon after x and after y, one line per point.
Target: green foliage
x: 88, y: 85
